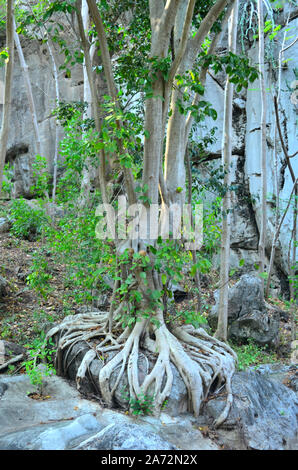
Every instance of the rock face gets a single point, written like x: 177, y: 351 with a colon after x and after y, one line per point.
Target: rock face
x: 67, y: 421
x: 288, y: 107
x: 245, y: 168
x: 263, y: 415
x: 247, y: 313
x: 21, y: 149
x: 127, y: 437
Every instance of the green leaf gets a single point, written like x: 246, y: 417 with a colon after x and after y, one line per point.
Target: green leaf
x: 263, y: 275
x: 156, y: 294
x: 163, y: 279
x: 193, y: 270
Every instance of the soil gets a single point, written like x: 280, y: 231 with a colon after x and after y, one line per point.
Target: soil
x: 23, y: 312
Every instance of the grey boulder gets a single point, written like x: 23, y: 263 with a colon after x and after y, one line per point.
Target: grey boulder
x: 263, y: 414
x: 4, y: 225
x: 248, y: 316
x: 125, y: 437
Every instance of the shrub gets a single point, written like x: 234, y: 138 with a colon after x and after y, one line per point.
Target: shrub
x: 27, y: 222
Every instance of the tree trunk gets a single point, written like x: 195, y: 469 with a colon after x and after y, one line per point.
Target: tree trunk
x: 222, y: 326
x: 199, y: 358
x: 57, y: 96
x: 263, y: 146
x: 86, y: 177
x: 276, y: 174
x: 25, y: 70
x: 7, y: 86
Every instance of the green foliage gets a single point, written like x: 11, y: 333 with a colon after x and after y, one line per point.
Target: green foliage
x: 27, y: 222
x: 240, y: 72
x: 39, y: 276
x: 77, y: 146
x: 7, y: 184
x: 251, y: 354
x: 192, y: 318
x: 73, y: 243
x: 123, y: 141
x: 189, y: 84
x: 39, y: 353
x: 41, y: 176
x: 171, y: 263
x: 141, y: 405
x: 65, y: 112
x: 293, y: 279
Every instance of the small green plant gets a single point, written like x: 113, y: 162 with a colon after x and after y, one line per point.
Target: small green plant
x: 6, y: 332
x: 41, y: 176
x: 141, y: 405
x: 191, y: 317
x: 27, y: 222
x: 39, y: 277
x: 38, y: 365
x: 11, y: 369
x: 7, y: 184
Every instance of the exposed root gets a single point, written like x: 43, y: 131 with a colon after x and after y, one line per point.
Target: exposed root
x: 200, y: 359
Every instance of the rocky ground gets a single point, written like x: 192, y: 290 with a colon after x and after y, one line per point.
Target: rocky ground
x: 263, y: 417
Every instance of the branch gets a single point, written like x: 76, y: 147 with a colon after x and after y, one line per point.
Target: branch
x: 290, y: 45
x: 11, y: 361
x: 156, y: 10
x: 85, y: 47
x: 282, y: 140
x: 107, y: 66
x: 294, y: 154
x: 183, y: 42
x: 163, y: 31
x: 103, y: 44
x: 195, y: 43
x: 276, y: 237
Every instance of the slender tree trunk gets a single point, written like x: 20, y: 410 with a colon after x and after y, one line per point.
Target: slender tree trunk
x: 7, y: 86
x: 95, y: 108
x: 32, y: 108
x: 193, y: 252
x: 263, y: 146
x: 86, y: 177
x: 26, y: 76
x: 291, y: 260
x: 277, y: 199
x: 57, y: 96
x: 222, y: 326
x: 277, y: 232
